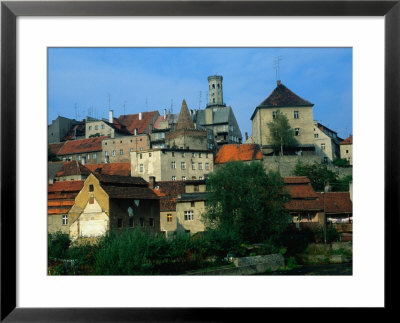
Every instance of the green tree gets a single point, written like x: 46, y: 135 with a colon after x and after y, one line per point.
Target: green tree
x: 243, y: 199
x: 320, y: 175
x: 282, y: 135
x: 341, y: 162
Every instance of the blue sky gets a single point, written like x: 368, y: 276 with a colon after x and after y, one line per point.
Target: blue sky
x: 82, y: 81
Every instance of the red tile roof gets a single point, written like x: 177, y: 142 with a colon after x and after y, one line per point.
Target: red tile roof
x: 121, y: 169
x: 67, y: 186
x: 185, y: 120
x: 347, y: 141
x: 296, y: 180
x: 168, y: 192
x: 337, y: 202
x: 73, y: 168
x: 132, y: 122
x: 304, y: 205
x: 55, y: 148
x: 236, y: 152
x: 81, y: 146
x: 301, y: 192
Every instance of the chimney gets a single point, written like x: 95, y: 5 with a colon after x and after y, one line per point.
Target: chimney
x: 152, y: 180
x: 51, y: 181
x: 246, y: 135
x: 278, y: 82
x: 140, y: 115
x: 165, y: 114
x: 111, y: 116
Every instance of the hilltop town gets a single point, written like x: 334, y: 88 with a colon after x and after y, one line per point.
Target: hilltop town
x: 149, y: 170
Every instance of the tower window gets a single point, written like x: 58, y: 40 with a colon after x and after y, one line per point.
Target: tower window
x: 213, y: 100
x: 213, y: 86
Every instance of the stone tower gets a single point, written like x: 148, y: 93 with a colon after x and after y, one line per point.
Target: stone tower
x: 215, y: 94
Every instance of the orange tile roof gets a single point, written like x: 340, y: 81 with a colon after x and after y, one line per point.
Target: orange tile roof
x: 81, y: 146
x: 347, y: 141
x: 301, y: 191
x: 60, y: 203
x: 168, y: 192
x: 121, y: 169
x: 58, y: 210
x: 236, y: 152
x: 132, y: 122
x: 67, y: 186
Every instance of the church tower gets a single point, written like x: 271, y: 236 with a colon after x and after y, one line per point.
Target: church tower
x: 215, y: 94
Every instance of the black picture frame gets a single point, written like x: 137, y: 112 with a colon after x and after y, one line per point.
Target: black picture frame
x: 10, y: 10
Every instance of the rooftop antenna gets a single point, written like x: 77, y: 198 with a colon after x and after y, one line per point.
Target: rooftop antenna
x: 109, y: 101
x: 276, y: 67
x: 124, y: 106
x: 76, y: 111
x: 147, y: 106
x: 172, y: 104
x: 200, y: 101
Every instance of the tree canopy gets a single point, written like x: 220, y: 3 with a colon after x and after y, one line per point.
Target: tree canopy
x: 320, y: 175
x: 243, y: 199
x: 282, y: 135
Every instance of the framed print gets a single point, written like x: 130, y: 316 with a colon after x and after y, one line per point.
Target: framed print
x: 32, y: 32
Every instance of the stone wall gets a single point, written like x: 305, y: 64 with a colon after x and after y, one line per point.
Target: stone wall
x: 286, y: 164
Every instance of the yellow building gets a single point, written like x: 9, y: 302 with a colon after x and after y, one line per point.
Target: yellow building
x: 113, y: 202
x: 298, y: 111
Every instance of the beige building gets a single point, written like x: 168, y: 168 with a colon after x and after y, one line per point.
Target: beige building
x: 298, y: 111
x: 190, y: 207
x: 101, y: 128
x: 117, y: 150
x: 172, y: 164
x: 85, y: 151
x: 113, y: 202
x: 346, y: 149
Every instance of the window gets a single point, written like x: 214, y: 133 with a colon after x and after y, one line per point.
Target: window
x: 141, y: 222
x: 193, y: 166
x: 174, y: 178
x: 315, y: 135
x: 96, y: 127
x: 149, y: 154
x: 297, y: 131
x: 131, y: 223
x: 273, y: 114
x: 94, y: 156
x: 141, y: 148
x: 173, y: 154
x: 200, y: 166
x: 173, y: 165
x: 322, y: 147
x: 207, y: 166
x: 169, y: 217
x: 79, y: 157
x: 102, y: 126
x: 131, y: 149
x: 141, y: 168
x: 200, y: 177
x: 121, y: 151
x: 200, y: 155
x: 183, y: 178
x: 192, y: 204
x: 296, y: 114
x: 213, y: 99
x: 310, y: 217
x: 106, y: 153
x: 88, y: 156
x: 347, y: 151
x: 325, y: 160
x: 119, y: 223
x: 196, y: 188
x: 206, y: 155
x: 156, y: 136
x: 91, y: 188
x: 163, y: 135
x: 188, y: 215
x: 114, y: 152
x: 90, y: 128
x: 65, y: 220
x: 183, y: 154
x: 183, y: 165
x: 193, y: 155
x: 231, y: 128
x: 140, y: 156
x: 151, y: 222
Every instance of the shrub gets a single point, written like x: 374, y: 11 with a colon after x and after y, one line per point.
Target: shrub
x: 57, y: 245
x: 332, y: 234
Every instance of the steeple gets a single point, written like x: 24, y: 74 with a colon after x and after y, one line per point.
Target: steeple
x: 184, y: 120
x: 215, y: 93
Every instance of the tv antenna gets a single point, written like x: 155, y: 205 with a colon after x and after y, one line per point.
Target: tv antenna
x: 276, y: 66
x: 200, y: 101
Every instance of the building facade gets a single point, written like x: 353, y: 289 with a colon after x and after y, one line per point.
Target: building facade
x: 298, y: 111
x: 117, y: 150
x: 346, y: 149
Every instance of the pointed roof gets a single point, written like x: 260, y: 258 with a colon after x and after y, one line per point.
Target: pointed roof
x: 185, y: 120
x: 73, y: 168
x: 283, y: 97
x: 347, y: 141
